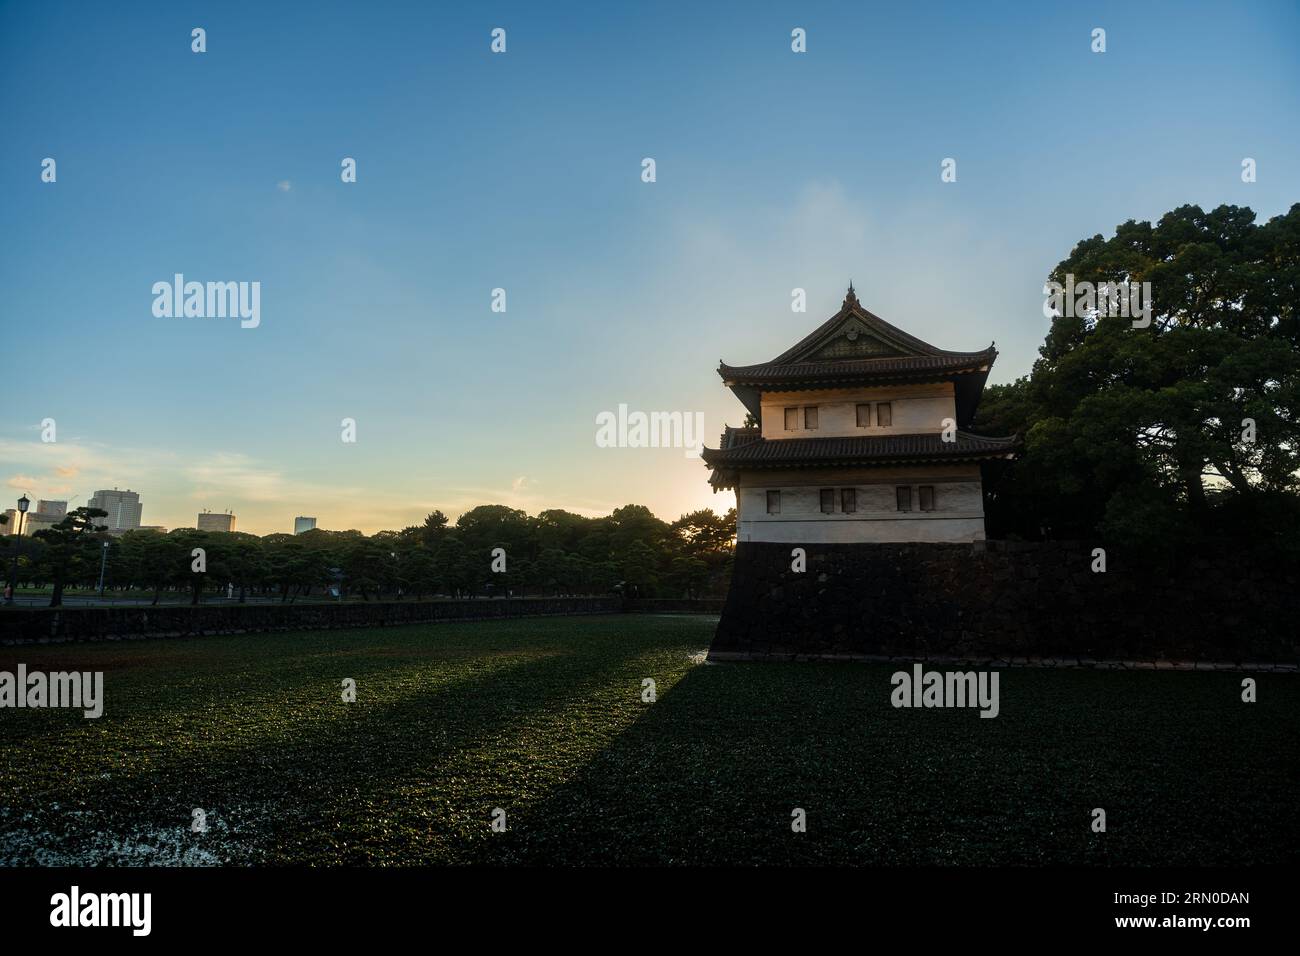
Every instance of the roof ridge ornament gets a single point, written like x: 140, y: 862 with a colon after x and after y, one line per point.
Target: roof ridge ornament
x: 850, y: 298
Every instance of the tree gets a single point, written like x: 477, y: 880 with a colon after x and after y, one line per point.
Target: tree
x: 562, y: 530
x: 638, y: 566
x: 452, y: 560
x: 417, y: 571
x: 368, y: 565
x: 71, y: 546
x: 1187, y: 427
x: 489, y: 526
x: 246, y: 561
x: 150, y: 560
x: 433, y: 530
x: 705, y: 532
x: 216, y: 563
x: 633, y: 523
x: 551, y: 571
x: 689, y: 574
x: 702, y: 545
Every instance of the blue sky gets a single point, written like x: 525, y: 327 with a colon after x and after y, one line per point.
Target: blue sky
x: 775, y: 170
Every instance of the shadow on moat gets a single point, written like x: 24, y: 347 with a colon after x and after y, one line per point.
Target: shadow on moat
x: 344, y: 767
x: 712, y: 771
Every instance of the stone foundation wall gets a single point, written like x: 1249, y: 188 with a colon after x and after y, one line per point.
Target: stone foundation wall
x: 41, y: 625
x: 1003, y: 600
x: 674, y: 606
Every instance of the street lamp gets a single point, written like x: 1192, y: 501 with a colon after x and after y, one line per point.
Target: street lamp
x: 102, y: 561
x: 23, y: 504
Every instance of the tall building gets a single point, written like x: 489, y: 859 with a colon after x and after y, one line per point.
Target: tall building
x: 36, y: 521
x: 123, y: 509
x: 29, y: 523
x: 301, y: 524
x: 859, y: 438
x: 216, y: 522
x: 46, y: 514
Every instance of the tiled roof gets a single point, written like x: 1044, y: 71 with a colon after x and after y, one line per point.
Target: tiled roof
x: 732, y: 437
x: 856, y: 449
x: 902, y: 366
x: 857, y: 348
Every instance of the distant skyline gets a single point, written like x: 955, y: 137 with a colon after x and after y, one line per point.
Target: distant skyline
x: 523, y: 171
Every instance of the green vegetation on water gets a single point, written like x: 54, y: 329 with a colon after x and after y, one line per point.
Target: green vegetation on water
x: 544, y: 718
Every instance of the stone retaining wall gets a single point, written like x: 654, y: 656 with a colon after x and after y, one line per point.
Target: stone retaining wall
x: 1003, y: 600
x: 40, y: 625
x: 675, y: 605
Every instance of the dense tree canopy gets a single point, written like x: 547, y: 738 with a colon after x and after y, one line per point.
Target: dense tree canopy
x: 630, y: 551
x: 1184, y: 428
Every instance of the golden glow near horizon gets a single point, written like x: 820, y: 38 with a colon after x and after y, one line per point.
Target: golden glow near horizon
x: 266, y: 498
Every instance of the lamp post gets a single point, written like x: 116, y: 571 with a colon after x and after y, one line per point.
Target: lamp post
x: 23, y: 503
x: 102, y: 561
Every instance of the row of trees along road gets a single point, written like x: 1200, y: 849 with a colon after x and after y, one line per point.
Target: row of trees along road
x: 557, y: 552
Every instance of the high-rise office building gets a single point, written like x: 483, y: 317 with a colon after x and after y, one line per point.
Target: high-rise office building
x: 301, y: 524
x: 216, y: 522
x: 54, y: 509
x: 123, y: 509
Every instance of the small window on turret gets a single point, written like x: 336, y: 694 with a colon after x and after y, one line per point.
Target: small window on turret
x: 828, y: 501
x: 774, y: 502
x: 884, y: 414
x: 810, y: 417
x: 864, y: 416
x: 791, y: 419
x: 848, y: 500
x: 904, y: 498
x: 926, y: 495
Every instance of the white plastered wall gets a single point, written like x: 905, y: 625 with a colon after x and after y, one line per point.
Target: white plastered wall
x: 958, y: 515
x: 915, y: 409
